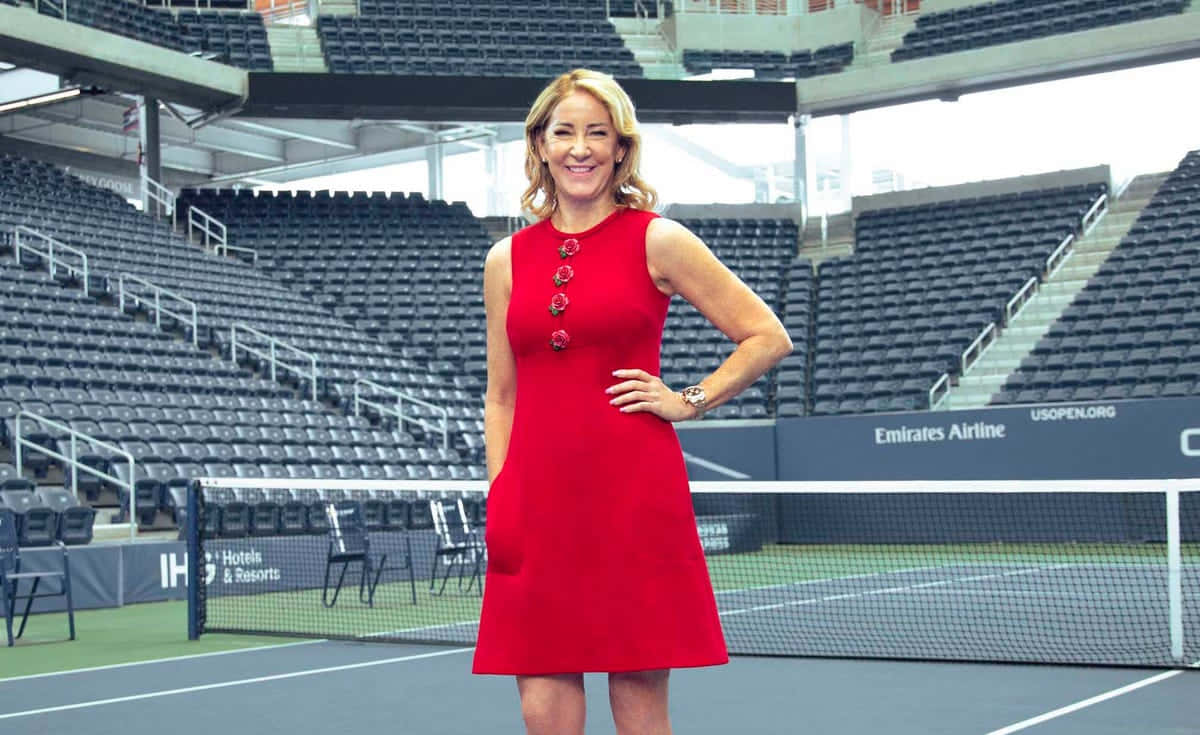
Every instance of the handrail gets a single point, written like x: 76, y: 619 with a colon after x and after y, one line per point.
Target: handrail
x: 398, y: 410
x: 160, y: 195
x: 159, y: 309
x: 209, y: 227
x: 271, y: 356
x: 943, y: 383
x: 49, y: 255
x: 971, y: 355
x: 73, y: 461
x: 1059, y: 256
x: 1012, y: 308
x: 1094, y: 213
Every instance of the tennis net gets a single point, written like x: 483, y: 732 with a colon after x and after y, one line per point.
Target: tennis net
x: 1079, y: 572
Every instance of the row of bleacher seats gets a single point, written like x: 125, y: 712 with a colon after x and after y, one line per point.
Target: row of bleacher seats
x: 1134, y: 330
x: 237, y: 38
x: 44, y: 515
x: 772, y: 64
x: 119, y: 239
x: 514, y: 44
x: 235, y: 513
x: 1006, y: 21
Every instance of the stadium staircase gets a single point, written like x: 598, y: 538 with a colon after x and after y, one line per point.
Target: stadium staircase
x: 296, y: 48
x: 986, y: 377
x: 650, y: 49
x: 888, y: 35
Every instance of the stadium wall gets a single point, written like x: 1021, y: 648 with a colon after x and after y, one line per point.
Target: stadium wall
x: 971, y: 190
x: 793, y: 212
x: 717, y: 31
x: 1119, y: 440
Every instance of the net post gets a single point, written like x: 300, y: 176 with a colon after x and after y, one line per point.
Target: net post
x: 195, y: 567
x: 1174, y: 575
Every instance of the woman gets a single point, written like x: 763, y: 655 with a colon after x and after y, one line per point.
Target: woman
x: 594, y: 561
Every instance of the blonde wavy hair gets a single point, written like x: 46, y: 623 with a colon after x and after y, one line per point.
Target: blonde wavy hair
x: 628, y: 189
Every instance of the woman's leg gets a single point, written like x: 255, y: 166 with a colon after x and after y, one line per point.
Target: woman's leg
x: 639, y: 702
x: 553, y: 705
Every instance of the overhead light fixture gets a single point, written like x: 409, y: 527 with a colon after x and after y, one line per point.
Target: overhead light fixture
x: 50, y: 98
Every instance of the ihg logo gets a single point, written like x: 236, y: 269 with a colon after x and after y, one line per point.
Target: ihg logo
x: 1189, y: 442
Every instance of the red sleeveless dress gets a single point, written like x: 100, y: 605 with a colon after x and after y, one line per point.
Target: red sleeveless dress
x: 594, y: 560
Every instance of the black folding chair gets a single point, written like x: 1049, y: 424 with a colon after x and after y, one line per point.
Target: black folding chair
x: 458, y: 545
x: 11, y: 577
x: 350, y: 543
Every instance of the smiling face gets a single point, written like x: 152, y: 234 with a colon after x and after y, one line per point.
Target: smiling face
x: 581, y: 149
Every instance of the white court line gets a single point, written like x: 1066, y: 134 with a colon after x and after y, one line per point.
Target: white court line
x: 163, y: 660
x: 224, y: 684
x: 1085, y: 703
x: 882, y: 591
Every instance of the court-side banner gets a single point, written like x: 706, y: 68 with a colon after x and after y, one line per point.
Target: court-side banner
x: 729, y: 452
x: 1119, y: 440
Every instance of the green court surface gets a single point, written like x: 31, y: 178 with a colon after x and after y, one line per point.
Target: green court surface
x: 795, y: 563
x: 142, y: 632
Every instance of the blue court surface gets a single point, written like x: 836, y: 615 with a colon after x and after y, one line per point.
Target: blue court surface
x: 335, y: 687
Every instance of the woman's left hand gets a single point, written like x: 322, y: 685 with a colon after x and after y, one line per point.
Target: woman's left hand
x: 642, y: 392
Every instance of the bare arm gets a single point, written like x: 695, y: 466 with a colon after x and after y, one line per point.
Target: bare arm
x: 679, y: 262
x: 501, y: 366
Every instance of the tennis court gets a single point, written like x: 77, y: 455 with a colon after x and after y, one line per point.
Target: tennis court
x: 325, y: 686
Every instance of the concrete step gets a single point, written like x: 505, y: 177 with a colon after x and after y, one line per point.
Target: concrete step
x: 296, y: 48
x: 338, y: 7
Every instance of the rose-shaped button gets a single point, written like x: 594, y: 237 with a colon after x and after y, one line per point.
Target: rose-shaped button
x: 558, y: 304
x: 570, y: 246
x: 560, y: 339
x: 563, y: 274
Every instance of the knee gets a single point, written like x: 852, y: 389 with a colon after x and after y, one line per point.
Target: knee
x: 639, y: 703
x: 552, y: 710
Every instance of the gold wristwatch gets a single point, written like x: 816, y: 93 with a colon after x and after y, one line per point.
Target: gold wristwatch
x: 694, y: 396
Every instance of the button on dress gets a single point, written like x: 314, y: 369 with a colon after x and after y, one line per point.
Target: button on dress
x: 594, y: 560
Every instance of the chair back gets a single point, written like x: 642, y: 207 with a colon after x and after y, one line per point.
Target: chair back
x: 8, y: 542
x: 347, y: 527
x: 450, y: 521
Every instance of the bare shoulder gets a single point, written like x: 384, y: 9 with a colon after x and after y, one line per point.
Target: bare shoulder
x: 663, y: 233
x: 500, y: 252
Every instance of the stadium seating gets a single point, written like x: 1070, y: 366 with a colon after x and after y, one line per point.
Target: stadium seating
x: 1006, y: 21
x: 773, y: 64
x: 120, y: 379
x: 797, y: 312
x: 236, y: 38
x: 1134, y: 330
x: 120, y: 17
x: 477, y: 38
x: 923, y: 283
x: 760, y: 252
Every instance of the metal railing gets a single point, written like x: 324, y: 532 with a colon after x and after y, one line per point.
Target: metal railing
x: 58, y: 9
x: 159, y: 195
x: 397, y: 409
x: 1093, y: 215
x: 1056, y: 259
x: 770, y: 7
x: 939, y: 391
x: 21, y: 442
x: 50, y: 254
x: 971, y: 355
x: 271, y: 354
x: 213, y: 235
x: 154, y: 302
x: 1017, y: 303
